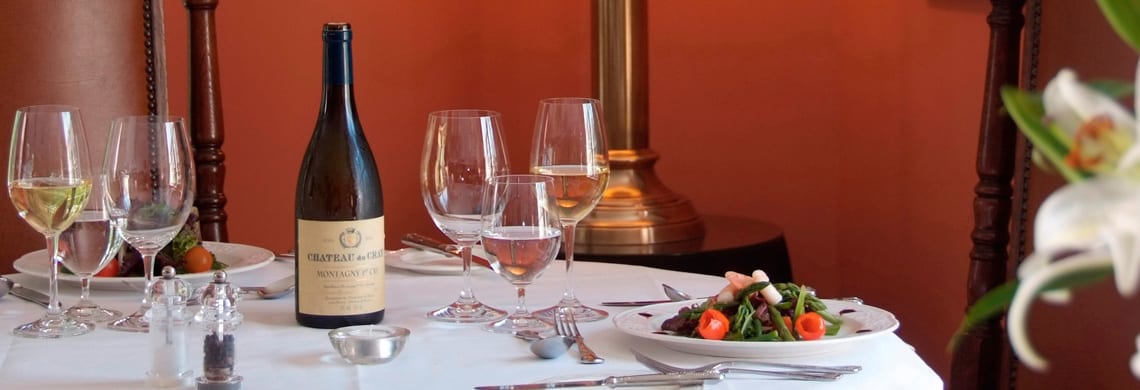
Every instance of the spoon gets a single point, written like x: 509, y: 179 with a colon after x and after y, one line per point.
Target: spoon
x: 551, y: 347
x: 5, y: 285
x: 545, y: 347
x: 277, y: 289
x: 675, y: 294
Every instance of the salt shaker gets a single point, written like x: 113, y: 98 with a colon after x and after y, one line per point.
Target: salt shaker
x: 218, y: 317
x: 168, y: 321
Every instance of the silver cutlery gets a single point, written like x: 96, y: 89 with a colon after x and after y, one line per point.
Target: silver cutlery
x: 803, y: 372
x: 416, y: 240
x: 10, y: 287
x: 565, y: 325
x: 634, y: 303
x: 674, y: 295
x: 276, y: 289
x: 684, y: 379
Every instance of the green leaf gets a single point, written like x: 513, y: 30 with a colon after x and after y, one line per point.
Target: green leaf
x: 1027, y: 109
x: 1124, y: 16
x: 997, y: 300
x: 1114, y: 88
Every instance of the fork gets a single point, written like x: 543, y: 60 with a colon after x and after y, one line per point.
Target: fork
x: 565, y: 325
x: 804, y: 372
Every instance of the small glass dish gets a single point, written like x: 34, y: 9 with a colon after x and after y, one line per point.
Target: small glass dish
x: 369, y: 344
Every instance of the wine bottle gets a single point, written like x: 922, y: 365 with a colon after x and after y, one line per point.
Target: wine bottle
x: 339, y: 206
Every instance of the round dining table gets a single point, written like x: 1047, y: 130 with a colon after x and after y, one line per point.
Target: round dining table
x: 273, y: 352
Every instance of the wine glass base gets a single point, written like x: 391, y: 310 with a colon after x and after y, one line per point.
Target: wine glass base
x: 53, y: 328
x: 582, y: 313
x: 92, y: 313
x: 466, y: 313
x: 135, y: 322
x: 518, y: 323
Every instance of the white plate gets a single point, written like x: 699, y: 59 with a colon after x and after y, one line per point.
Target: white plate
x: 431, y: 263
x: 863, y: 324
x: 238, y: 257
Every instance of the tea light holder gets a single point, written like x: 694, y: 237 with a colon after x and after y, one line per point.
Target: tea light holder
x: 369, y: 344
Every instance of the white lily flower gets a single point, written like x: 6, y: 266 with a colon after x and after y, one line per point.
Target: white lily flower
x: 1098, y: 131
x: 1098, y: 218
x: 1071, y: 104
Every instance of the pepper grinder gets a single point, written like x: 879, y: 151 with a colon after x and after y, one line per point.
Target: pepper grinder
x: 218, y: 316
x: 168, y: 321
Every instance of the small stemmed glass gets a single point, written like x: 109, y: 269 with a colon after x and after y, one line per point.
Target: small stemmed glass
x: 88, y: 246
x: 149, y: 191
x: 569, y: 145
x: 463, y: 150
x: 521, y: 234
x: 49, y: 181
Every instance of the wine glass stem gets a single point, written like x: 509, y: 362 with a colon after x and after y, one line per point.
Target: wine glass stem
x: 84, y: 288
x: 54, y: 309
x: 466, y: 295
x: 148, y: 272
x: 568, y: 247
x: 520, y: 307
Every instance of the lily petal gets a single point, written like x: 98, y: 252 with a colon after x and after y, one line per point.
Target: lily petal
x: 1072, y: 217
x: 1069, y: 103
x: 1028, y: 290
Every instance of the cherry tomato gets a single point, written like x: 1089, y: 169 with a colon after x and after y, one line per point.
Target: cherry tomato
x: 713, y: 325
x: 110, y: 270
x: 198, y: 259
x: 810, y: 326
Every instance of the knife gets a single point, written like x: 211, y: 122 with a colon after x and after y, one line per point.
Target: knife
x: 29, y: 295
x: 678, y: 379
x: 420, y: 241
x: 635, y: 303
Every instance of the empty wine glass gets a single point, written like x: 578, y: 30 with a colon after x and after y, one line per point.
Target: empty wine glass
x: 149, y: 191
x: 85, y: 248
x: 521, y: 234
x: 49, y: 181
x: 463, y: 150
x: 569, y: 145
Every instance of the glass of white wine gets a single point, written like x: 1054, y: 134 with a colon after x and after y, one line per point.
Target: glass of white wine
x: 569, y: 145
x: 149, y: 191
x: 463, y: 151
x: 49, y: 181
x: 521, y: 234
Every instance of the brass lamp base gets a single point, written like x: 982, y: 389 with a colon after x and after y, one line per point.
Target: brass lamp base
x: 637, y: 213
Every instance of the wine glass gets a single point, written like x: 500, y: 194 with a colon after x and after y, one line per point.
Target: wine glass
x: 149, y: 191
x: 49, y: 181
x: 88, y: 246
x: 463, y: 151
x: 569, y: 145
x: 521, y: 234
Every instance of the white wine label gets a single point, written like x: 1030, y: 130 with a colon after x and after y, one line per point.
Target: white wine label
x: 340, y: 267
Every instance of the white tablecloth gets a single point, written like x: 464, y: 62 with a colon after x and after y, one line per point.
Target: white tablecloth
x: 273, y: 352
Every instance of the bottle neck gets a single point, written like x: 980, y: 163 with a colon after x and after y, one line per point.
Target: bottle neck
x: 337, y: 63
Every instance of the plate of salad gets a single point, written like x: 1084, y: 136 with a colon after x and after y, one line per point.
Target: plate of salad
x: 755, y: 318
x: 232, y: 257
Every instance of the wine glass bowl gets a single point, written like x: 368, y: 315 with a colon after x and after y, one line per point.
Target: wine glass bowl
x: 149, y: 191
x: 521, y: 234
x: 463, y: 150
x: 569, y: 145
x: 49, y: 182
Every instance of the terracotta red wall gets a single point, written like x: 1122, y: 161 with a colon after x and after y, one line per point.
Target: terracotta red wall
x: 851, y: 124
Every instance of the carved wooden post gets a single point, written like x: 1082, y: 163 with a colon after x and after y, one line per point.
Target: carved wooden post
x: 206, y: 126
x: 978, y: 363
